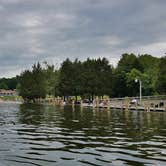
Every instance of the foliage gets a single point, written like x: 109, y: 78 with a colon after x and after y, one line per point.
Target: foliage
x: 130, y: 66
x: 92, y: 77
x: 3, y: 86
x: 9, y: 83
x: 148, y: 62
x: 66, y: 78
x: 51, y: 76
x: 33, y: 83
x: 161, y: 80
x: 128, y: 62
x: 97, y: 77
x: 132, y: 83
x: 119, y: 84
x: 150, y: 66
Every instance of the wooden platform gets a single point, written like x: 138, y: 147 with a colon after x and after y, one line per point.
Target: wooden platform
x: 138, y: 108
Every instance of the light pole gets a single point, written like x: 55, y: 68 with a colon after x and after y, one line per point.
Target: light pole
x: 140, y: 89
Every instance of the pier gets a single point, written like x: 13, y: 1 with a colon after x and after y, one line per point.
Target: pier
x: 147, y: 103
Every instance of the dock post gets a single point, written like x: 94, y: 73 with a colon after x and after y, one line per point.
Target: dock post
x: 81, y: 103
x: 108, y: 104
x: 153, y: 107
x: 94, y: 103
x: 73, y: 102
x: 97, y: 102
x: 145, y: 107
x: 127, y: 104
x: 148, y: 108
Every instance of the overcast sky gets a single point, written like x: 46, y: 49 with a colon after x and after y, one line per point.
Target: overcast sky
x: 52, y: 30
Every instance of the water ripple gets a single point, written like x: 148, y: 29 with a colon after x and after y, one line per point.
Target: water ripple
x: 47, y: 135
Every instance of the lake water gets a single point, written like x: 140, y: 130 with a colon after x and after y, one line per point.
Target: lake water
x: 33, y: 135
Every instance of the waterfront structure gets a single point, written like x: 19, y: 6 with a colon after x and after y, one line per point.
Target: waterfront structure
x: 4, y: 92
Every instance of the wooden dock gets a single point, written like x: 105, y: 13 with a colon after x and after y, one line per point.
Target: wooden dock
x: 139, y: 108
x: 148, y: 103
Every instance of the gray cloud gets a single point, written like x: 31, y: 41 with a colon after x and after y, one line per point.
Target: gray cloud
x: 52, y: 30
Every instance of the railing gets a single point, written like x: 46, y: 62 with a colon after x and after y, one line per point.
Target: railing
x: 158, y: 97
x: 146, y: 102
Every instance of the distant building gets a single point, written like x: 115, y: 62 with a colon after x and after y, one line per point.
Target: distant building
x: 4, y: 92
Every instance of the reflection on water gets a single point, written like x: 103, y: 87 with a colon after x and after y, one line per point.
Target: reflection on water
x: 47, y: 135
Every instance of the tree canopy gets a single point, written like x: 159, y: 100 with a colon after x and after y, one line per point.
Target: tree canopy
x: 33, y: 83
x: 9, y: 83
x: 161, y: 79
x: 92, y: 77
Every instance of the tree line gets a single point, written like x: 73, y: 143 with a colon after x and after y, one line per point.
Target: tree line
x: 95, y: 77
x: 9, y: 83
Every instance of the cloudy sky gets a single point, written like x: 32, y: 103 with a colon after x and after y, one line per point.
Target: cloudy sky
x: 52, y: 30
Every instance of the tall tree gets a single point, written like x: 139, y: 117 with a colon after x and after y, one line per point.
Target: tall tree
x: 52, y: 76
x: 3, y: 85
x: 161, y: 80
x: 26, y: 85
x: 9, y: 83
x: 150, y: 66
x: 119, y: 84
x: 90, y: 78
x: 33, y: 84
x: 128, y: 62
x: 77, y: 78
x: 66, y: 79
x: 39, y: 87
x: 97, y: 77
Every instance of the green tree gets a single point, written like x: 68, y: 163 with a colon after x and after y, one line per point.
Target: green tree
x: 161, y: 80
x: 26, y: 85
x: 148, y: 62
x: 97, y: 77
x: 132, y: 85
x: 77, y: 78
x: 131, y: 65
x: 66, y: 78
x: 150, y: 66
x: 128, y: 62
x: 121, y: 87
x: 119, y: 84
x: 90, y: 78
x: 105, y: 76
x: 33, y: 83
x: 70, y: 79
x: 3, y: 86
x: 39, y: 87
x: 9, y: 83
x: 51, y: 76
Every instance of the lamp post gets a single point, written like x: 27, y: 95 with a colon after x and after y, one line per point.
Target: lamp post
x: 140, y: 89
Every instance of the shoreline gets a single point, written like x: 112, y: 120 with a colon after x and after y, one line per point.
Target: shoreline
x: 146, y: 104
x: 10, y: 102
